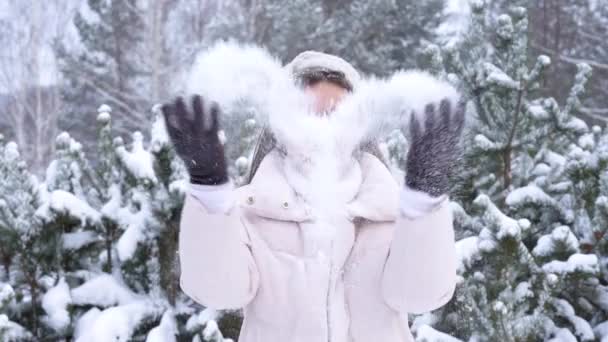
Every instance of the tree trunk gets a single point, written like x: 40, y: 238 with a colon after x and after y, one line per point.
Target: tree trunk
x: 506, y: 160
x: 169, y: 266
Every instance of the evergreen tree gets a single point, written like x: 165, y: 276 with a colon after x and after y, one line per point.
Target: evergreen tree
x: 90, y: 253
x: 29, y: 251
x: 376, y: 36
x: 104, y: 65
x: 531, y: 211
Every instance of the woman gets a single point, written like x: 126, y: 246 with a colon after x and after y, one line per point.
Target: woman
x: 318, y: 246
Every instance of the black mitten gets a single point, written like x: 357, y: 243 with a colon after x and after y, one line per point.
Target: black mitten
x: 194, y: 133
x: 435, y: 147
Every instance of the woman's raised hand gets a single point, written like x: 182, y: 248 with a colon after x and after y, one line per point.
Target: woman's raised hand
x: 193, y: 129
x: 434, y: 147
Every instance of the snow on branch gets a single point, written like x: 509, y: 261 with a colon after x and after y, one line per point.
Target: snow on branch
x: 139, y: 162
x: 64, y: 203
x: 529, y: 194
x: 587, y: 263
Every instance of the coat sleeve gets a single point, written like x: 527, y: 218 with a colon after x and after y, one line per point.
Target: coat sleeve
x: 217, y: 267
x: 420, y: 270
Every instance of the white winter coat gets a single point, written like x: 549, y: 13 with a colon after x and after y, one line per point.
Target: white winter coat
x: 380, y: 265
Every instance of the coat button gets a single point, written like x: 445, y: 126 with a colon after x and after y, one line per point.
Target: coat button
x: 285, y: 205
x: 250, y: 200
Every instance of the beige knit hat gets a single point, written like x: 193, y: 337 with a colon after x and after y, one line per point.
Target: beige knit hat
x: 313, y: 61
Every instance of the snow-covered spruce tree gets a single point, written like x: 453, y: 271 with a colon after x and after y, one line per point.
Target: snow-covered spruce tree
x: 532, y: 205
x: 137, y: 199
x: 29, y: 252
x: 140, y: 198
x: 13, y: 285
x: 91, y: 252
x: 499, y: 82
x: 10, y: 330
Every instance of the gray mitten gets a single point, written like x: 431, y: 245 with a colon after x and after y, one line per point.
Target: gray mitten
x: 435, y: 147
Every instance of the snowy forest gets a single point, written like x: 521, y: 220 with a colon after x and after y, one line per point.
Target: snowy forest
x: 91, y: 189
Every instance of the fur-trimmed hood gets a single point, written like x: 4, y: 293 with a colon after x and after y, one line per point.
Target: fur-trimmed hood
x: 310, y: 60
x: 242, y: 78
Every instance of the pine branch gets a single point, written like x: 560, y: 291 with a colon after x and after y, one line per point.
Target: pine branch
x: 571, y: 60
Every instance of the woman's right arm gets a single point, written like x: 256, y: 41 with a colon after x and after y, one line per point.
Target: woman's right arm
x: 217, y: 268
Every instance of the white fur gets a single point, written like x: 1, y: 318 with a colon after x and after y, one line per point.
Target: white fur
x: 415, y: 204
x: 246, y: 76
x: 321, y: 147
x: 235, y: 75
x: 382, y: 105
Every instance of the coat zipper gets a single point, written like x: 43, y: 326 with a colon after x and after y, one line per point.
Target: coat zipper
x: 328, y: 297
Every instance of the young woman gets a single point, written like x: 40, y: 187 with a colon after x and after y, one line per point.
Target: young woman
x: 318, y: 249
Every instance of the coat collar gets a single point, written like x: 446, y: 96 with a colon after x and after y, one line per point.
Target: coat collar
x: 270, y: 195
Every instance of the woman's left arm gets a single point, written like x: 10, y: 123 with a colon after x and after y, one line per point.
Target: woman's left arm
x: 420, y: 271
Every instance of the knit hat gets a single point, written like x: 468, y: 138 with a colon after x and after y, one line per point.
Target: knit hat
x: 318, y: 64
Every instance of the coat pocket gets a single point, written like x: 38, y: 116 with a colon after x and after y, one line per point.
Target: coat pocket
x: 279, y: 236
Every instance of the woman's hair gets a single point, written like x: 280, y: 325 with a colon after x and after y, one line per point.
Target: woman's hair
x: 314, y: 75
x: 266, y: 141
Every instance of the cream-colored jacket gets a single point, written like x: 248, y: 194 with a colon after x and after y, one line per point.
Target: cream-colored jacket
x: 382, y: 265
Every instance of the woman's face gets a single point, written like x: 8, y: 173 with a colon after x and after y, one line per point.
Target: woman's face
x: 326, y: 96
